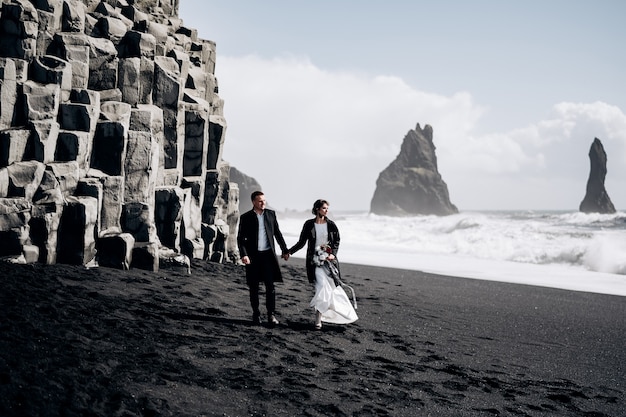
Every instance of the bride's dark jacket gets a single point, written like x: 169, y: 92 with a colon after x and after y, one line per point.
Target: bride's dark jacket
x: 307, y: 235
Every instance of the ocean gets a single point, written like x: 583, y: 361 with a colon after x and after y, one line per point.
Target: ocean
x: 560, y: 249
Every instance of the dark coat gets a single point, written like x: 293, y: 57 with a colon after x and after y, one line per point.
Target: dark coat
x: 307, y: 235
x: 247, y: 241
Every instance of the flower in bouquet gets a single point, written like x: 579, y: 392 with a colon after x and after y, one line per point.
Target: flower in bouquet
x: 321, y: 254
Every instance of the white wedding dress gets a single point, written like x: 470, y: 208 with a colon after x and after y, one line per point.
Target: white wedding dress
x: 330, y: 300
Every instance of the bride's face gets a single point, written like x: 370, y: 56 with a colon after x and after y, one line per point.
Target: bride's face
x: 322, y: 211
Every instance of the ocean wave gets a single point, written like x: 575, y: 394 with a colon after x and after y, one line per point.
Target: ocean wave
x: 594, y: 220
x: 606, y: 253
x: 588, y: 242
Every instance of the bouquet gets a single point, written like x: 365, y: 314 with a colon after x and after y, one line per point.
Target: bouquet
x: 321, y: 254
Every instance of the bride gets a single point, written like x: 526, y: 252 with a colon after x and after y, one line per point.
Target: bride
x: 330, y: 301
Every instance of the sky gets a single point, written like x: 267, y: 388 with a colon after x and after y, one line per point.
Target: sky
x: 318, y: 96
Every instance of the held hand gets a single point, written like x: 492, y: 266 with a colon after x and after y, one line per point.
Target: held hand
x: 331, y: 257
x: 285, y: 256
x: 245, y: 260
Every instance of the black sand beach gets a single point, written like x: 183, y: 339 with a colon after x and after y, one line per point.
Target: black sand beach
x: 103, y: 342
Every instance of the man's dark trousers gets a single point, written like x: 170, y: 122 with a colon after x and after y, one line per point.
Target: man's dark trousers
x: 263, y: 262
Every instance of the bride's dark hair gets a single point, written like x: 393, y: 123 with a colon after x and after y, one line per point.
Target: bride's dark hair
x: 318, y: 203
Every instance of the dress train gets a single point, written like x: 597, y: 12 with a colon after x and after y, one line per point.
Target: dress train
x: 331, y: 300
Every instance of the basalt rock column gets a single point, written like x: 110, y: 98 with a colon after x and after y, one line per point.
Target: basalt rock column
x: 8, y: 91
x: 166, y: 95
x: 77, y: 232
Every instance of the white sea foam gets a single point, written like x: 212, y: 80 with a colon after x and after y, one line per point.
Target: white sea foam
x: 570, y: 250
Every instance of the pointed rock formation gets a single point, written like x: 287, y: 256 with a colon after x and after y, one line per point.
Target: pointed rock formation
x: 596, y: 199
x: 411, y: 184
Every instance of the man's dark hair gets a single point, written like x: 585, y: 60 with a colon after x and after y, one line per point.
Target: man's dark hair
x: 255, y: 195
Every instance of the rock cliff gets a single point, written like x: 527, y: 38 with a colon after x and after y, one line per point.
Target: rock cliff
x: 597, y: 199
x: 247, y: 185
x: 411, y: 184
x: 111, y: 134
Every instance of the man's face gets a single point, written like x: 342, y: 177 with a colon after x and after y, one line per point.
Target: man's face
x: 259, y: 203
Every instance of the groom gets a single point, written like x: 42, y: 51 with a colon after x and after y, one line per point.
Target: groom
x: 257, y: 230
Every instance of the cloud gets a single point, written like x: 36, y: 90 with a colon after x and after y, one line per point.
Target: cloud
x: 305, y: 133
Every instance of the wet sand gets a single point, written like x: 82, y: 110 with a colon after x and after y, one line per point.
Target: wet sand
x: 104, y: 342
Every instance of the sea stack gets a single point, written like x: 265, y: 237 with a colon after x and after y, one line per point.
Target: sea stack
x: 411, y: 184
x: 597, y: 199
